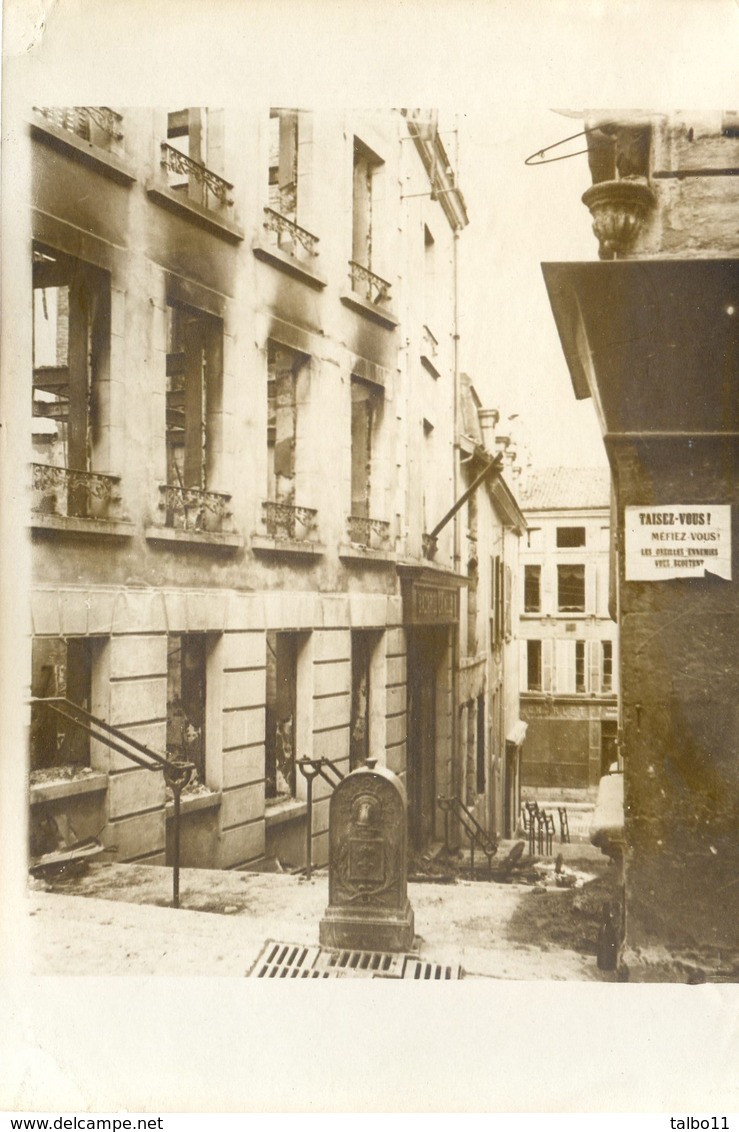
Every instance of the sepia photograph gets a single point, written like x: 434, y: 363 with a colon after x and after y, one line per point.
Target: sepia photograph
x: 369, y: 550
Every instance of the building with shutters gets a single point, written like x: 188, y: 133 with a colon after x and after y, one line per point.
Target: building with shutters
x: 243, y: 421
x: 492, y: 531
x: 568, y: 641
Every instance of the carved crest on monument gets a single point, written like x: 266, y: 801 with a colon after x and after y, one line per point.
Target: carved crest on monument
x: 368, y: 902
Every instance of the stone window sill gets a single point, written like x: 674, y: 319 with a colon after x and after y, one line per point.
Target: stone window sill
x: 282, y: 812
x: 352, y: 552
x: 384, y: 316
x: 213, y: 222
x: 69, y: 788
x: 299, y: 547
x: 287, y: 263
x: 80, y: 150
x: 192, y: 803
x: 113, y: 528
x: 226, y: 539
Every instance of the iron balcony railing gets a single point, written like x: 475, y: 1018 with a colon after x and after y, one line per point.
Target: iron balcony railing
x: 85, y: 121
x: 288, y: 234
x: 176, y: 162
x: 371, y: 533
x: 285, y: 520
x: 370, y: 286
x: 74, y: 494
x: 194, y: 508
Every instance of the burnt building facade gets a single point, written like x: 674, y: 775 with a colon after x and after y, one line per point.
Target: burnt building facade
x: 243, y: 427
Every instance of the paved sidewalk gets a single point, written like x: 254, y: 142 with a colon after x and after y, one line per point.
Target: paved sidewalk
x: 116, y: 920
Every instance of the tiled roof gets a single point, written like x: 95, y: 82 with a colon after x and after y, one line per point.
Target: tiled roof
x: 550, y: 489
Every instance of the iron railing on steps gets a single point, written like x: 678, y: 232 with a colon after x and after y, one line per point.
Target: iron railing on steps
x: 477, y: 834
x: 310, y: 770
x: 176, y: 774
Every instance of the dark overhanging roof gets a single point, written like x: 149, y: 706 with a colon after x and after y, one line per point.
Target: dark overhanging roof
x: 654, y: 342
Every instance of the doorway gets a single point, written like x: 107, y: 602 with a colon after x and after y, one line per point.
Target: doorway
x: 425, y: 651
x: 608, y: 745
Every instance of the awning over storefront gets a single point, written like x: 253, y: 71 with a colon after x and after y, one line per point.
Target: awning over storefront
x: 517, y: 733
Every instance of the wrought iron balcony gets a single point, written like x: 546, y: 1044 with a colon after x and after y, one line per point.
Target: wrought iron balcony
x: 74, y: 494
x: 97, y: 124
x: 288, y: 234
x: 370, y: 286
x: 284, y: 520
x: 176, y: 162
x: 371, y: 533
x: 194, y: 508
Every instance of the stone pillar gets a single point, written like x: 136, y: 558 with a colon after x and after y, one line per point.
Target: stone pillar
x: 680, y: 673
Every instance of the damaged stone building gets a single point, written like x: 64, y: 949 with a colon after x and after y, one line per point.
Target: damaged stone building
x: 245, y: 429
x: 650, y: 333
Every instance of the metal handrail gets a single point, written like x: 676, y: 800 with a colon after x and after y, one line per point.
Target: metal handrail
x: 477, y: 834
x: 311, y: 769
x: 176, y: 774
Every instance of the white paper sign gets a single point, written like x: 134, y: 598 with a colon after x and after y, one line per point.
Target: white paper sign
x: 677, y: 541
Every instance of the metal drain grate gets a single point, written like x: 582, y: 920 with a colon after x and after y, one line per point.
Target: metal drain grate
x: 296, y: 961
x: 421, y: 969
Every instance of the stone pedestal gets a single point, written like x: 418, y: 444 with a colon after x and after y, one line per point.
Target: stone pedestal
x: 368, y: 906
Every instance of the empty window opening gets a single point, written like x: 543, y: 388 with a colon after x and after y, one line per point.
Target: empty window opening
x: 532, y: 589
x: 187, y: 132
x: 280, y: 715
x: 194, y: 390
x: 580, y: 670
x: 71, y: 358
x: 186, y: 697
x: 366, y: 166
x: 571, y: 588
x: 61, y: 668
x: 362, y: 648
x: 570, y: 536
x: 283, y: 162
x: 284, y: 366
x: 365, y: 199
x: 533, y: 660
x: 365, y: 405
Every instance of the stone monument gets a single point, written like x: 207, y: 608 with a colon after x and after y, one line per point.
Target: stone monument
x: 368, y: 906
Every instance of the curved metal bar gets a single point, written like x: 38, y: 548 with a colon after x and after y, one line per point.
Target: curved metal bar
x: 548, y: 160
